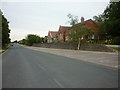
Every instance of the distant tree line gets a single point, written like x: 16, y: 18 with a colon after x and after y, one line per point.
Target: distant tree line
x: 31, y: 39
x: 4, y: 31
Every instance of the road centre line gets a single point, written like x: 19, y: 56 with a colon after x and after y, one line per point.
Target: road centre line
x: 42, y: 68
x: 58, y: 83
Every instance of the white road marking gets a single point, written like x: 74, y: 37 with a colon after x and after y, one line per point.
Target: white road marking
x: 42, y: 68
x: 58, y: 83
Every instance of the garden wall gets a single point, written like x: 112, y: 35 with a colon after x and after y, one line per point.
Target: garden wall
x: 73, y: 46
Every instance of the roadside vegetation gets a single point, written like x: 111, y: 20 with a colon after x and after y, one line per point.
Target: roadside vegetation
x: 31, y: 39
x: 4, y: 32
x: 108, y: 23
x: 116, y: 48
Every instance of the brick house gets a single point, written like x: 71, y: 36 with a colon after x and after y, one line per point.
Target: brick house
x: 90, y: 23
x: 63, y: 31
x: 52, y: 36
x: 62, y: 34
x: 95, y: 27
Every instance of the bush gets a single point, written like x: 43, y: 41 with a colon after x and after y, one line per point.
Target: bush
x: 28, y: 44
x: 116, y: 48
x: 116, y: 41
x: 56, y: 41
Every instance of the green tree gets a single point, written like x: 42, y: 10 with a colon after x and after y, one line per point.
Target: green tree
x: 73, y: 19
x: 112, y: 20
x: 78, y: 31
x: 100, y: 20
x: 5, y: 30
x: 23, y: 41
x: 15, y: 41
x: 42, y: 39
x: 31, y: 38
x: 110, y: 25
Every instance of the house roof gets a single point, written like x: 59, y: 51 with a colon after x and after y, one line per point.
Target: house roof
x: 90, y: 20
x: 64, y: 28
x: 53, y: 34
x: 89, y: 23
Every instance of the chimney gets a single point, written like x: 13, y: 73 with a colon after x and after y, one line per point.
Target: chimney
x: 82, y: 19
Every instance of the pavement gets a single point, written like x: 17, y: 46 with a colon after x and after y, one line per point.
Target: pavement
x: 112, y: 45
x: 109, y: 59
x: 26, y: 68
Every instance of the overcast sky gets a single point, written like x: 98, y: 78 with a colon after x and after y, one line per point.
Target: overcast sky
x: 41, y: 17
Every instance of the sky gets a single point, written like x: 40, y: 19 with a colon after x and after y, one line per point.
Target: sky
x: 35, y: 17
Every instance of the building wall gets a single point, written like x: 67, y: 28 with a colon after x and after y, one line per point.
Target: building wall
x: 63, y: 34
x: 91, y: 24
x: 49, y: 38
x: 52, y: 36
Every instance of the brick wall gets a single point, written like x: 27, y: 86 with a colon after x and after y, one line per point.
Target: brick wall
x: 73, y: 46
x: 57, y: 45
x: 96, y: 47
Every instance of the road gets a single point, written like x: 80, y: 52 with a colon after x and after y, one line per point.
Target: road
x: 26, y: 68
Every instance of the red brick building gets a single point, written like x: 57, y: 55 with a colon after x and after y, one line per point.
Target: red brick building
x: 52, y: 36
x: 90, y: 23
x: 62, y: 34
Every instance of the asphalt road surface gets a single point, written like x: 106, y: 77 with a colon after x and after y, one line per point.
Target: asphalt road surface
x: 25, y: 68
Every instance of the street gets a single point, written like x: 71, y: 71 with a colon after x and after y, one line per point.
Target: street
x: 26, y: 68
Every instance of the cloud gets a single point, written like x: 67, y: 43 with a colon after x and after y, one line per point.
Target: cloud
x: 56, y: 1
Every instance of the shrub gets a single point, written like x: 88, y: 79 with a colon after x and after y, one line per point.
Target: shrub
x: 116, y: 41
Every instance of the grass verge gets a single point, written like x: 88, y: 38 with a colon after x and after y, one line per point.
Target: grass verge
x: 116, y: 48
x: 5, y: 49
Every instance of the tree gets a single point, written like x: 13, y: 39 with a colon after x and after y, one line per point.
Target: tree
x: 31, y: 38
x: 78, y: 31
x: 23, y: 41
x: 15, y: 41
x: 110, y: 22
x: 73, y: 19
x: 112, y: 19
x: 5, y: 30
x: 42, y: 39
x: 98, y: 19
